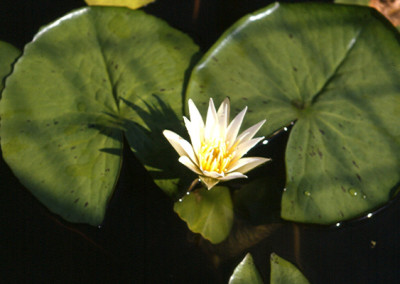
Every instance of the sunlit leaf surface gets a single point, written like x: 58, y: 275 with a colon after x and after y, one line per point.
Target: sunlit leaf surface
x: 246, y: 272
x: 334, y: 71
x: 283, y: 272
x: 82, y: 82
x: 132, y: 4
x: 208, y: 212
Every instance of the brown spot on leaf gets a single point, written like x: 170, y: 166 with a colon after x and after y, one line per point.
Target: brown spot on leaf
x: 322, y: 132
x: 355, y: 164
x: 76, y: 200
x: 358, y: 176
x: 86, y: 204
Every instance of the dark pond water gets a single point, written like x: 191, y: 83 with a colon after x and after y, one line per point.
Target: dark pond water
x: 142, y: 240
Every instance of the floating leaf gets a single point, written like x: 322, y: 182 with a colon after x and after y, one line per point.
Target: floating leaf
x: 82, y: 81
x: 132, y: 4
x: 334, y: 70
x: 283, y: 272
x: 246, y: 272
x: 208, y: 212
x: 8, y: 54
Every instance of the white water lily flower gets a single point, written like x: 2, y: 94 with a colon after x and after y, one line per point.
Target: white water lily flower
x: 216, y: 150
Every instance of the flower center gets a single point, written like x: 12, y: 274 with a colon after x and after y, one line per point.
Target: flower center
x: 214, y: 156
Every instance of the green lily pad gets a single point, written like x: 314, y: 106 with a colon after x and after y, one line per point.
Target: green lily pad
x: 333, y: 69
x: 283, y: 272
x: 208, y: 212
x: 81, y: 81
x: 8, y: 54
x: 246, y: 272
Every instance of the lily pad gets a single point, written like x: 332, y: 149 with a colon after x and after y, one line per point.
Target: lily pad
x: 72, y: 94
x: 8, y: 54
x: 283, y: 272
x: 208, y: 212
x: 333, y: 69
x: 246, y: 272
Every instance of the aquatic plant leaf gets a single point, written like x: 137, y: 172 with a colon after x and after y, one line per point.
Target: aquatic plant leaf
x: 283, y: 272
x: 69, y: 100
x: 132, y: 4
x: 333, y: 69
x: 208, y: 212
x: 246, y: 272
x: 8, y: 54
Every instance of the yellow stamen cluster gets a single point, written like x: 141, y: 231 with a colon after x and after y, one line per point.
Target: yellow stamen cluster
x: 214, y: 156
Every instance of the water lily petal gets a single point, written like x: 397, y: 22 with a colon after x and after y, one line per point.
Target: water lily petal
x: 195, y: 118
x: 180, y: 145
x: 209, y: 182
x: 194, y: 134
x: 250, y: 132
x: 223, y: 116
x: 212, y: 174
x: 188, y: 163
x: 234, y: 126
x: 244, y: 147
x: 246, y: 164
x: 211, y: 130
x: 233, y: 175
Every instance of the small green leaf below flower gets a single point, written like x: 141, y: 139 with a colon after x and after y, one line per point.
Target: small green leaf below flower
x: 207, y: 212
